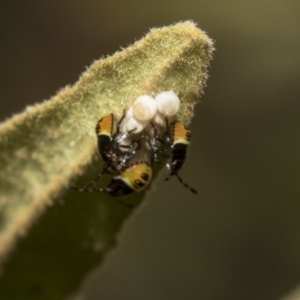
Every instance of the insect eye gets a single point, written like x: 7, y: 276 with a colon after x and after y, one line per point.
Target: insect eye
x: 145, y: 176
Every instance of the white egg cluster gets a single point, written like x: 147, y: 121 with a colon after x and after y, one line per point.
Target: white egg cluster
x: 147, y: 109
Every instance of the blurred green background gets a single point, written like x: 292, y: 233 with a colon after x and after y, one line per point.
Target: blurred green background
x: 239, y: 238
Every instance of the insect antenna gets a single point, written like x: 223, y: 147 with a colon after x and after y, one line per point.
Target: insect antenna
x: 100, y: 190
x: 87, y: 187
x: 183, y: 183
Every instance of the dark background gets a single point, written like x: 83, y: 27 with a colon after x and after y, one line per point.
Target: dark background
x: 240, y: 237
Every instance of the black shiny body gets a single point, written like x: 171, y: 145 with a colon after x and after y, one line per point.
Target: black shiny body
x: 112, y: 152
x: 177, y: 158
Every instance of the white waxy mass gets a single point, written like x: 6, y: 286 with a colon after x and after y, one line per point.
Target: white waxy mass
x: 144, y: 108
x: 167, y: 103
x: 133, y: 124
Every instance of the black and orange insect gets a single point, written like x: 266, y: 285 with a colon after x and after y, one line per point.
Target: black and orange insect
x: 109, y: 140
x: 128, y: 180
x: 174, y: 148
x: 178, y: 140
x: 129, y: 175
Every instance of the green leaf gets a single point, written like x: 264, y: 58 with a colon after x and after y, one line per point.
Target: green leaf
x: 60, y: 234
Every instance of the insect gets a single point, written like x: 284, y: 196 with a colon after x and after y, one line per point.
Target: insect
x: 127, y: 181
x: 174, y: 148
x: 129, y: 164
x: 178, y: 141
x: 110, y: 149
x: 131, y: 179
